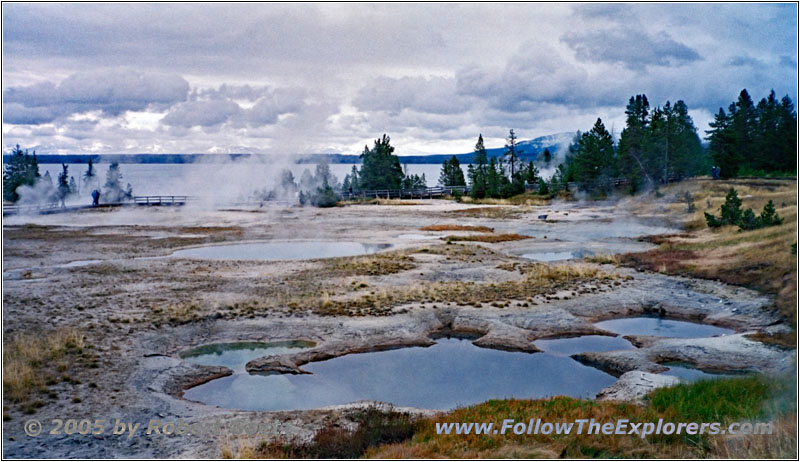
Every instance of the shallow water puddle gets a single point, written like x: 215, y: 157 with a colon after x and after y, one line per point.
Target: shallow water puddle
x: 556, y: 256
x: 280, y: 250
x: 452, y: 373
x: 418, y: 237
x: 236, y: 355
x: 687, y: 373
x: 582, y: 344
x: 596, y: 230
x: 657, y: 326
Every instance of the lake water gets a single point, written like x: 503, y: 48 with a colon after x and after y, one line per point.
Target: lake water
x: 227, y: 180
x: 647, y: 325
x: 452, y: 373
x: 298, y: 250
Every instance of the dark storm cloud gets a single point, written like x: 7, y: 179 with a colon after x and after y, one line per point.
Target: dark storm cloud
x: 631, y: 48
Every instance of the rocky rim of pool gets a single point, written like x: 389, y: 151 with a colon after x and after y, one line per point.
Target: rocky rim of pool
x: 516, y: 330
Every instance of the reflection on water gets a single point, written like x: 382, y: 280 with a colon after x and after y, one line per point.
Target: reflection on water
x: 687, y: 373
x: 583, y: 344
x: 236, y: 355
x: 649, y: 325
x: 280, y: 250
x: 452, y: 373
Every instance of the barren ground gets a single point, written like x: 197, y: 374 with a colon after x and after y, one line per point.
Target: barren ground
x: 135, y: 309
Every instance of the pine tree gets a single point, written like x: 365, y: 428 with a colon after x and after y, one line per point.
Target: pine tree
x: 22, y: 169
x: 722, y: 145
x: 380, y: 168
x: 480, y: 171
x: 632, y: 157
x: 451, y: 173
x: 113, y: 191
x: 63, y: 184
x: 511, y: 152
x: 594, y: 156
x: 547, y: 157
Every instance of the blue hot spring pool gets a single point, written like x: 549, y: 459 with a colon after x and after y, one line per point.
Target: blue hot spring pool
x: 451, y: 373
x: 658, y: 326
x: 236, y: 355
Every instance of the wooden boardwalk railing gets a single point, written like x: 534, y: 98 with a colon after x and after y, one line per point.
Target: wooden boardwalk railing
x: 44, y: 209
x: 417, y: 193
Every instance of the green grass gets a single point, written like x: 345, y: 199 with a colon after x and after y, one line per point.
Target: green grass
x: 752, y: 397
x: 713, y: 400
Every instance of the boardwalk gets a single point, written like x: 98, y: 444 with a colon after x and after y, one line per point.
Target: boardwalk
x: 45, y: 209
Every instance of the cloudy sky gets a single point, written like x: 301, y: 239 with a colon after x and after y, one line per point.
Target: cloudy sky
x: 300, y: 78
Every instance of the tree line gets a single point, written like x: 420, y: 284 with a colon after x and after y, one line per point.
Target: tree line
x: 21, y: 177
x: 753, y: 139
x: 659, y: 143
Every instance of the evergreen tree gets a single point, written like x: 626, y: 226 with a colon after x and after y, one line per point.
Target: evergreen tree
x: 755, y: 139
x: 511, y: 152
x: 63, y: 184
x: 632, y: 157
x: 73, y: 186
x: 722, y: 145
x: 451, y: 173
x: 21, y: 169
x: 479, y: 173
x: 769, y: 217
x: 493, y: 182
x: 113, y: 191
x: 380, y: 168
x: 547, y: 156
x: 593, y: 157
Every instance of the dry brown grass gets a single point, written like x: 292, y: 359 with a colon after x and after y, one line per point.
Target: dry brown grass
x: 372, y: 265
x: 491, y: 238
x: 489, y: 212
x: 28, y: 360
x: 781, y: 444
x: 603, y: 259
x: 477, y: 229
x: 520, y: 199
x: 380, y: 201
x: 761, y: 259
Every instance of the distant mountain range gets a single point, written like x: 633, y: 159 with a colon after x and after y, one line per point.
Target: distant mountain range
x: 529, y: 150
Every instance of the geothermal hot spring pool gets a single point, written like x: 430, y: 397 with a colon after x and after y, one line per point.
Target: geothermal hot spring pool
x: 452, y: 373
x: 661, y: 327
x: 293, y: 250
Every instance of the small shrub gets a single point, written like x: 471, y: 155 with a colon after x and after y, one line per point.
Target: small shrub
x: 732, y: 208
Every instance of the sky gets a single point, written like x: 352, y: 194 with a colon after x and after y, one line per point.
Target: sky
x: 330, y: 78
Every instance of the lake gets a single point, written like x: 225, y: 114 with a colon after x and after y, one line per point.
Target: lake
x: 235, y: 179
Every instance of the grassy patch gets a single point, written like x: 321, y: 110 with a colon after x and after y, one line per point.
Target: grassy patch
x: 477, y: 229
x: 526, y: 198
x: 32, y: 362
x: 373, y: 427
x: 492, y: 238
x: 722, y: 400
x: 760, y: 259
x: 372, y: 265
x: 489, y: 212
